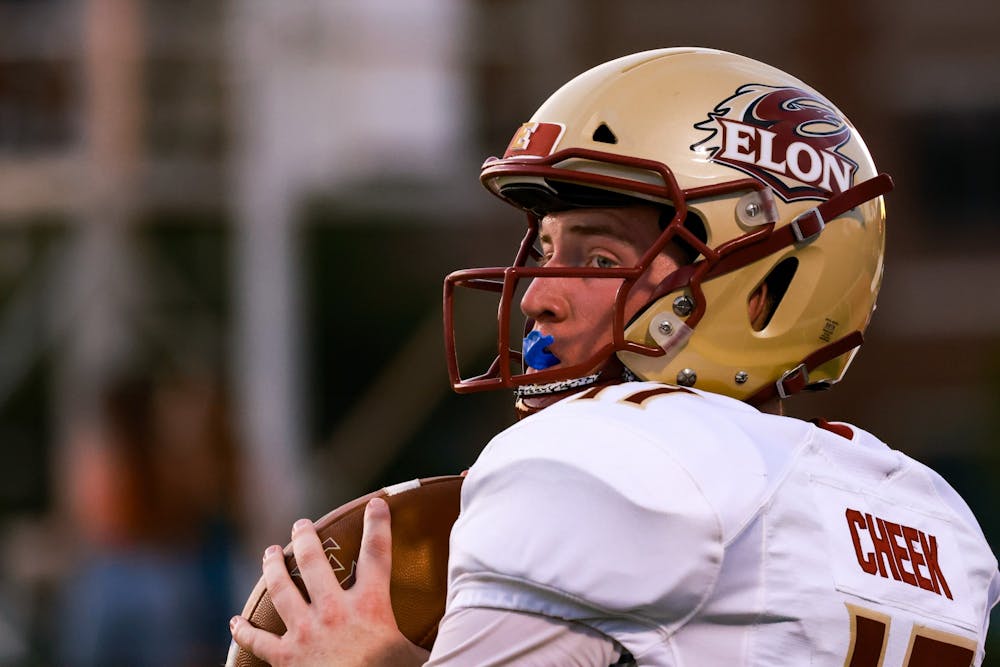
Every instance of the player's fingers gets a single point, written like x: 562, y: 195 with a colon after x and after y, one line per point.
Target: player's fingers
x: 375, y: 559
x: 261, y: 643
x: 313, y: 565
x: 287, y: 599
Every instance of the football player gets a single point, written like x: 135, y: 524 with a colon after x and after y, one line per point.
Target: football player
x: 705, y: 238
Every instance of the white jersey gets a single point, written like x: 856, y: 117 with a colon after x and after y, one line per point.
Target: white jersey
x: 697, y: 531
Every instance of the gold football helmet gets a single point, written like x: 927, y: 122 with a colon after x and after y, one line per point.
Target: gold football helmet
x: 760, y: 175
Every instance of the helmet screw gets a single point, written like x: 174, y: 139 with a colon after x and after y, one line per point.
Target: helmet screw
x: 687, y: 377
x: 741, y: 377
x: 665, y: 328
x: 752, y: 209
x: 683, y: 305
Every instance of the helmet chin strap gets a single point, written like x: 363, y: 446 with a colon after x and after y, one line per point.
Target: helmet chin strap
x: 797, y: 379
x: 555, y: 387
x: 530, y: 398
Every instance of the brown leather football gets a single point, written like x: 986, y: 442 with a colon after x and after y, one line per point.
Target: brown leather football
x: 423, y: 512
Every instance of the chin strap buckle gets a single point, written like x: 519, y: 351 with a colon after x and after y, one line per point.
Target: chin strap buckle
x: 793, y: 381
x: 807, y: 226
x: 797, y: 379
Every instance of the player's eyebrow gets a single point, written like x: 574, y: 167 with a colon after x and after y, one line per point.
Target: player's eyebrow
x: 593, y: 229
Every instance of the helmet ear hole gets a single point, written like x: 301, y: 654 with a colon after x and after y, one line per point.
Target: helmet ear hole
x: 604, y: 134
x: 767, y: 296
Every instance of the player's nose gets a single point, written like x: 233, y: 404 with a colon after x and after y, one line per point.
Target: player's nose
x: 545, y: 300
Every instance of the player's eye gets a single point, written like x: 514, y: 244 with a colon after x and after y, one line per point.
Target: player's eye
x: 540, y: 255
x: 603, y: 262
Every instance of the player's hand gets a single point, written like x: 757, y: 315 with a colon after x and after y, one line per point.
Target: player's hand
x: 335, y: 627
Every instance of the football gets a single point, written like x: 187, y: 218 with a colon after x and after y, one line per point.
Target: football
x: 423, y: 511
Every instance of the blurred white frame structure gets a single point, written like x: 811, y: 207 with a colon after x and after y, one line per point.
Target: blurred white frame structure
x: 329, y: 96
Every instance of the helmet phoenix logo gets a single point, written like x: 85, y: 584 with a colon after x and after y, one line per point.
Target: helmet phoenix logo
x: 785, y: 137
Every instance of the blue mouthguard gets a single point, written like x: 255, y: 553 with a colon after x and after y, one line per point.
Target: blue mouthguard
x: 534, y: 352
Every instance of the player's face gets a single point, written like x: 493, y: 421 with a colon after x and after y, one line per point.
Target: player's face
x: 577, y: 312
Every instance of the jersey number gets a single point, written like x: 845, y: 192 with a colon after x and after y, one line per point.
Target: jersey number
x: 927, y: 648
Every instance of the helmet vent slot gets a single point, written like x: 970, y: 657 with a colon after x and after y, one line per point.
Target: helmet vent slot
x: 604, y: 135
x: 774, y: 287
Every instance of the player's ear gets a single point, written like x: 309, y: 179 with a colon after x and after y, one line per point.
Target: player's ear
x: 767, y: 297
x: 759, y: 307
